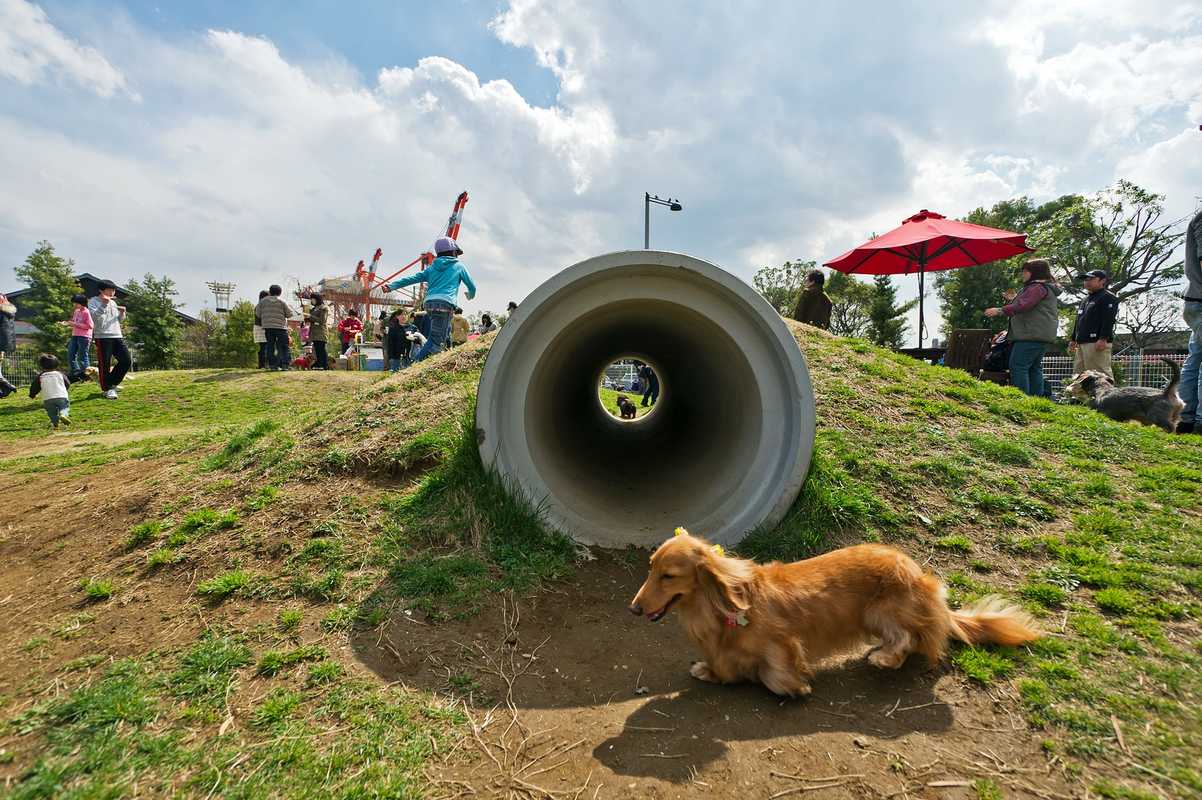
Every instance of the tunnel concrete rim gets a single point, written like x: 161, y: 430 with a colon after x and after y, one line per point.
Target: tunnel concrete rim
x: 512, y: 461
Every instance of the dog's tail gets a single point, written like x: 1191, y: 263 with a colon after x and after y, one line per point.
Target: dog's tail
x: 992, y: 620
x: 1175, y: 372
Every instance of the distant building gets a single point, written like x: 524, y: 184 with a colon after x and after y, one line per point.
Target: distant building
x: 24, y: 330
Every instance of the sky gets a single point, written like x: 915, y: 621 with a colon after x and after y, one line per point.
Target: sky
x: 277, y: 142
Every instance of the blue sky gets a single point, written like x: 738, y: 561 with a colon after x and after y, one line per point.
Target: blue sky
x: 370, y: 35
x: 273, y: 142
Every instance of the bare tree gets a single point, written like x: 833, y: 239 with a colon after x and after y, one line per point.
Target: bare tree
x: 1119, y: 230
x: 1149, y: 316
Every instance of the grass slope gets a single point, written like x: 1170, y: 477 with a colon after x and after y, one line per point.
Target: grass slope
x: 376, y: 505
x: 609, y: 401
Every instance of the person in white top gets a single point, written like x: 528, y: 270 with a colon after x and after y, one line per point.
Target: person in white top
x: 110, y: 342
x: 52, y: 385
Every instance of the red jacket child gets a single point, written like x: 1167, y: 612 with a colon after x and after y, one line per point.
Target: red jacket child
x: 348, y: 327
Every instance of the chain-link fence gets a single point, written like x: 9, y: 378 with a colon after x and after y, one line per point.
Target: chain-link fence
x: 20, y: 367
x: 1139, y: 369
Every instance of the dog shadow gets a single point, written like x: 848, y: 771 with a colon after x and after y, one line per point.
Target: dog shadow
x: 672, y: 736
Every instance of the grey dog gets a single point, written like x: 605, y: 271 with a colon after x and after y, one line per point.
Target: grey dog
x: 1148, y: 406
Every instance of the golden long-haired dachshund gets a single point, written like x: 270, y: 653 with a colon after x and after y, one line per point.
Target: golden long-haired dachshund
x: 772, y: 623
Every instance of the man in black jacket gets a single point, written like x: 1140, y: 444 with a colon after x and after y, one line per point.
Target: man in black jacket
x: 1092, y: 338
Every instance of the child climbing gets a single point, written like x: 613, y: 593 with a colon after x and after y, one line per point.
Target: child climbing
x: 52, y: 385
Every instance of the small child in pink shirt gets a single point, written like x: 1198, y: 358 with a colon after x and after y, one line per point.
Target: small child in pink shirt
x: 81, y: 338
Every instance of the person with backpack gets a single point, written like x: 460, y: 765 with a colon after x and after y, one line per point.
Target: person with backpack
x: 442, y: 278
x: 1034, y: 317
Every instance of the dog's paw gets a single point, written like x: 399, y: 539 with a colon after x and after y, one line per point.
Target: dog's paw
x: 701, y: 671
x: 886, y: 659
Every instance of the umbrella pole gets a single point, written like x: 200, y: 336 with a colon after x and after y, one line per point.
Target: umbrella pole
x: 921, y: 301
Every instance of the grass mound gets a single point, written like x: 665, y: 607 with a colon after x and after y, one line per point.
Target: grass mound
x: 296, y: 524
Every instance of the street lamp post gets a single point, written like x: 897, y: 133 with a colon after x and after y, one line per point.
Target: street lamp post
x: 648, y: 199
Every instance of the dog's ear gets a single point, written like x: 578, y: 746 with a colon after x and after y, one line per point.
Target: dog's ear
x: 719, y: 587
x: 1089, y: 383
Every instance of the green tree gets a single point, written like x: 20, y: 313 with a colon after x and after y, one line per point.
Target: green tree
x: 1120, y: 230
x: 153, y: 326
x: 886, y: 319
x: 203, y: 339
x: 966, y: 293
x: 236, y: 343
x: 850, y: 302
x: 780, y: 285
x: 52, y: 283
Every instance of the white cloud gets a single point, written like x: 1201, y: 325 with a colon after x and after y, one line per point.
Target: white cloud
x: 787, y: 132
x: 32, y: 49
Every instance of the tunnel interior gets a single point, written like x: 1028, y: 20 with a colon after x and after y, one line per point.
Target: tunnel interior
x: 675, y: 466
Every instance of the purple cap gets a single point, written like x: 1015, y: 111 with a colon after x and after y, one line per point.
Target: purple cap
x: 445, y: 246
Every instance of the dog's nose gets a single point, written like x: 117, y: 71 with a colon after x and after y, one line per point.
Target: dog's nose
x: 636, y: 609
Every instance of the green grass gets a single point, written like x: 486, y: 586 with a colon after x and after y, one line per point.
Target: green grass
x: 206, y: 670
x: 221, y: 586
x: 831, y: 499
x: 1045, y: 594
x: 432, y: 557
x: 1091, y: 525
x: 98, y: 589
x: 609, y: 401
x: 143, y: 533
x: 162, y: 557
x: 289, y: 620
x: 274, y: 661
x: 956, y: 544
x: 983, y: 665
x: 998, y: 449
x: 185, y: 399
x: 327, y: 736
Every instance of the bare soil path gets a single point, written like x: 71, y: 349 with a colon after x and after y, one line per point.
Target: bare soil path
x: 617, y: 709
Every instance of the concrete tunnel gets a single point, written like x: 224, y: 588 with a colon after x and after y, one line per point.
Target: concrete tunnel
x: 726, y: 448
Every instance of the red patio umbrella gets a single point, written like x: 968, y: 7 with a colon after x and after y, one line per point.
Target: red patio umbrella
x: 928, y: 242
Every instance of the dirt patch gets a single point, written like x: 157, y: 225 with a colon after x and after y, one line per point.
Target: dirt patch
x: 63, y: 441
x: 619, y: 711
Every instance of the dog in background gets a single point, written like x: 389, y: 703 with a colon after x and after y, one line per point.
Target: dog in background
x: 627, y: 409
x: 1147, y: 406
x: 772, y: 623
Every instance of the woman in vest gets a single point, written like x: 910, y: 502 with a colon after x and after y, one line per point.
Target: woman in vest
x: 1034, y: 319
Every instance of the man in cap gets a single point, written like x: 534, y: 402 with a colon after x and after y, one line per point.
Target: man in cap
x: 110, y: 342
x: 442, y: 279
x: 1091, y: 341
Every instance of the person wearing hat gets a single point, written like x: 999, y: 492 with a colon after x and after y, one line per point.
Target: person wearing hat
x: 1091, y: 341
x: 442, y: 279
x: 110, y: 342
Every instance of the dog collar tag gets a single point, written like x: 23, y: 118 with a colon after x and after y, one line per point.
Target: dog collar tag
x: 739, y: 619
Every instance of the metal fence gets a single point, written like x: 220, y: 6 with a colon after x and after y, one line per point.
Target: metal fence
x: 21, y: 367
x: 1138, y: 369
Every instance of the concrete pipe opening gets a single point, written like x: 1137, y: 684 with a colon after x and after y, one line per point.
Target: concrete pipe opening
x: 728, y: 445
